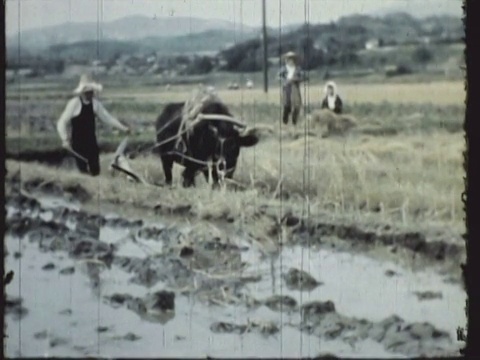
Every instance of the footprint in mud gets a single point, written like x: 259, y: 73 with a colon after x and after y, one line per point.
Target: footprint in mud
x: 428, y: 295
x: 281, y: 303
x: 300, y: 280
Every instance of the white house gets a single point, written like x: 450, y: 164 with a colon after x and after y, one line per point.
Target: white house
x: 372, y: 44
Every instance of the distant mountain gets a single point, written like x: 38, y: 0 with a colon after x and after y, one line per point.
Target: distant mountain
x: 106, y: 50
x: 130, y: 28
x: 423, y: 8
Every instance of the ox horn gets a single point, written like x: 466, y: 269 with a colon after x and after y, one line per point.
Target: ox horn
x: 225, y: 118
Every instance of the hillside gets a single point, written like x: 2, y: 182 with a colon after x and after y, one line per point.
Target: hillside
x: 130, y: 28
x: 339, y: 43
x: 362, y: 43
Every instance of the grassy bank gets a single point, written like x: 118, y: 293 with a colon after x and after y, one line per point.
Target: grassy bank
x: 411, y: 180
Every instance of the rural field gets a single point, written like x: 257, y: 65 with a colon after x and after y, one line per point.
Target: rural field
x: 348, y: 245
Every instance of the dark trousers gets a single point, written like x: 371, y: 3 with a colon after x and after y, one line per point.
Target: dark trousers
x: 286, y: 114
x: 93, y: 166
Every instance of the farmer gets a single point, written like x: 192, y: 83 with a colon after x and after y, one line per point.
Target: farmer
x: 291, y: 75
x: 76, y: 125
x: 332, y: 100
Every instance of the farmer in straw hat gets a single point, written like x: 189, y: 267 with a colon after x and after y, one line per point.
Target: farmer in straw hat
x: 291, y: 74
x: 76, y: 125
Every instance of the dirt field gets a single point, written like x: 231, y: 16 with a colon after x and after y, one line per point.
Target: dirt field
x: 346, y: 245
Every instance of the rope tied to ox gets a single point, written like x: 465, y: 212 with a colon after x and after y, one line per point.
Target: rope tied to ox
x: 191, y: 115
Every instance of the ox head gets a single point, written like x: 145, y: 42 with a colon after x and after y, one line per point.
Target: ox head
x: 229, y: 136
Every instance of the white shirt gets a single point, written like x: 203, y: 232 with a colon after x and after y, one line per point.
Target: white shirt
x: 290, y: 71
x: 73, y: 108
x: 331, y: 101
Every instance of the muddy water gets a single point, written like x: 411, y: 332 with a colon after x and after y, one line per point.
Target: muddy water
x: 69, y: 316
x: 365, y: 288
x: 50, y: 297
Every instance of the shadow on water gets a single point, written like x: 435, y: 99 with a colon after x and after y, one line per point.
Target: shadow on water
x: 150, y: 289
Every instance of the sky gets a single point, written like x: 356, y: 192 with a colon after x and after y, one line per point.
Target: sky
x: 28, y: 14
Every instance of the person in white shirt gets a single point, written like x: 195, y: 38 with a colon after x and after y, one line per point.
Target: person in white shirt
x: 76, y: 126
x: 332, y: 100
x: 292, y: 75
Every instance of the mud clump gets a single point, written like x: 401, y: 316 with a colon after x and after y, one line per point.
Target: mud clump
x: 57, y: 341
x: 162, y: 209
x: 300, y: 280
x: 49, y: 266
x: 428, y: 295
x: 153, y: 233
x: 281, y: 303
x: 161, y: 301
x: 227, y: 328
x: 156, y: 307
x: 41, y: 335
x: 65, y: 312
x: 102, y: 329
x: 317, y: 308
x: 413, y: 241
x: 151, y: 270
x: 265, y: 328
x: 322, y: 320
x: 131, y: 337
x: 23, y: 203
x: 13, y: 307
x: 390, y: 273
x: 123, y: 223
x: 67, y: 271
x: 19, y: 226
x: 77, y: 192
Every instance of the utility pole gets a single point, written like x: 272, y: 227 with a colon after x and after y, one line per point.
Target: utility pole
x: 265, y: 55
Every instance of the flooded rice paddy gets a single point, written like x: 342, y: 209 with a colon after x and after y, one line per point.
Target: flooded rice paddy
x: 93, y: 285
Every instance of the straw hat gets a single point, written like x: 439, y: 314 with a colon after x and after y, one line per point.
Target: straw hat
x: 87, y: 84
x: 290, y: 55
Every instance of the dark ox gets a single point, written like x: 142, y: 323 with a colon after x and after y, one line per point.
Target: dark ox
x: 210, y: 140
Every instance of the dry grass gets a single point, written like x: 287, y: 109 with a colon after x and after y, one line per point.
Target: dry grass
x: 414, y: 178
x: 408, y: 180
x: 440, y: 93
x: 437, y: 92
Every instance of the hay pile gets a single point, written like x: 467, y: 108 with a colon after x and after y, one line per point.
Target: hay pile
x: 335, y: 124
x: 195, y: 104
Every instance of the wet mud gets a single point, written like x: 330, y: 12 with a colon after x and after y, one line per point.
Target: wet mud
x: 111, y: 286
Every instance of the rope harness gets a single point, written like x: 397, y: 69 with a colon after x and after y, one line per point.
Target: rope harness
x: 191, y: 116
